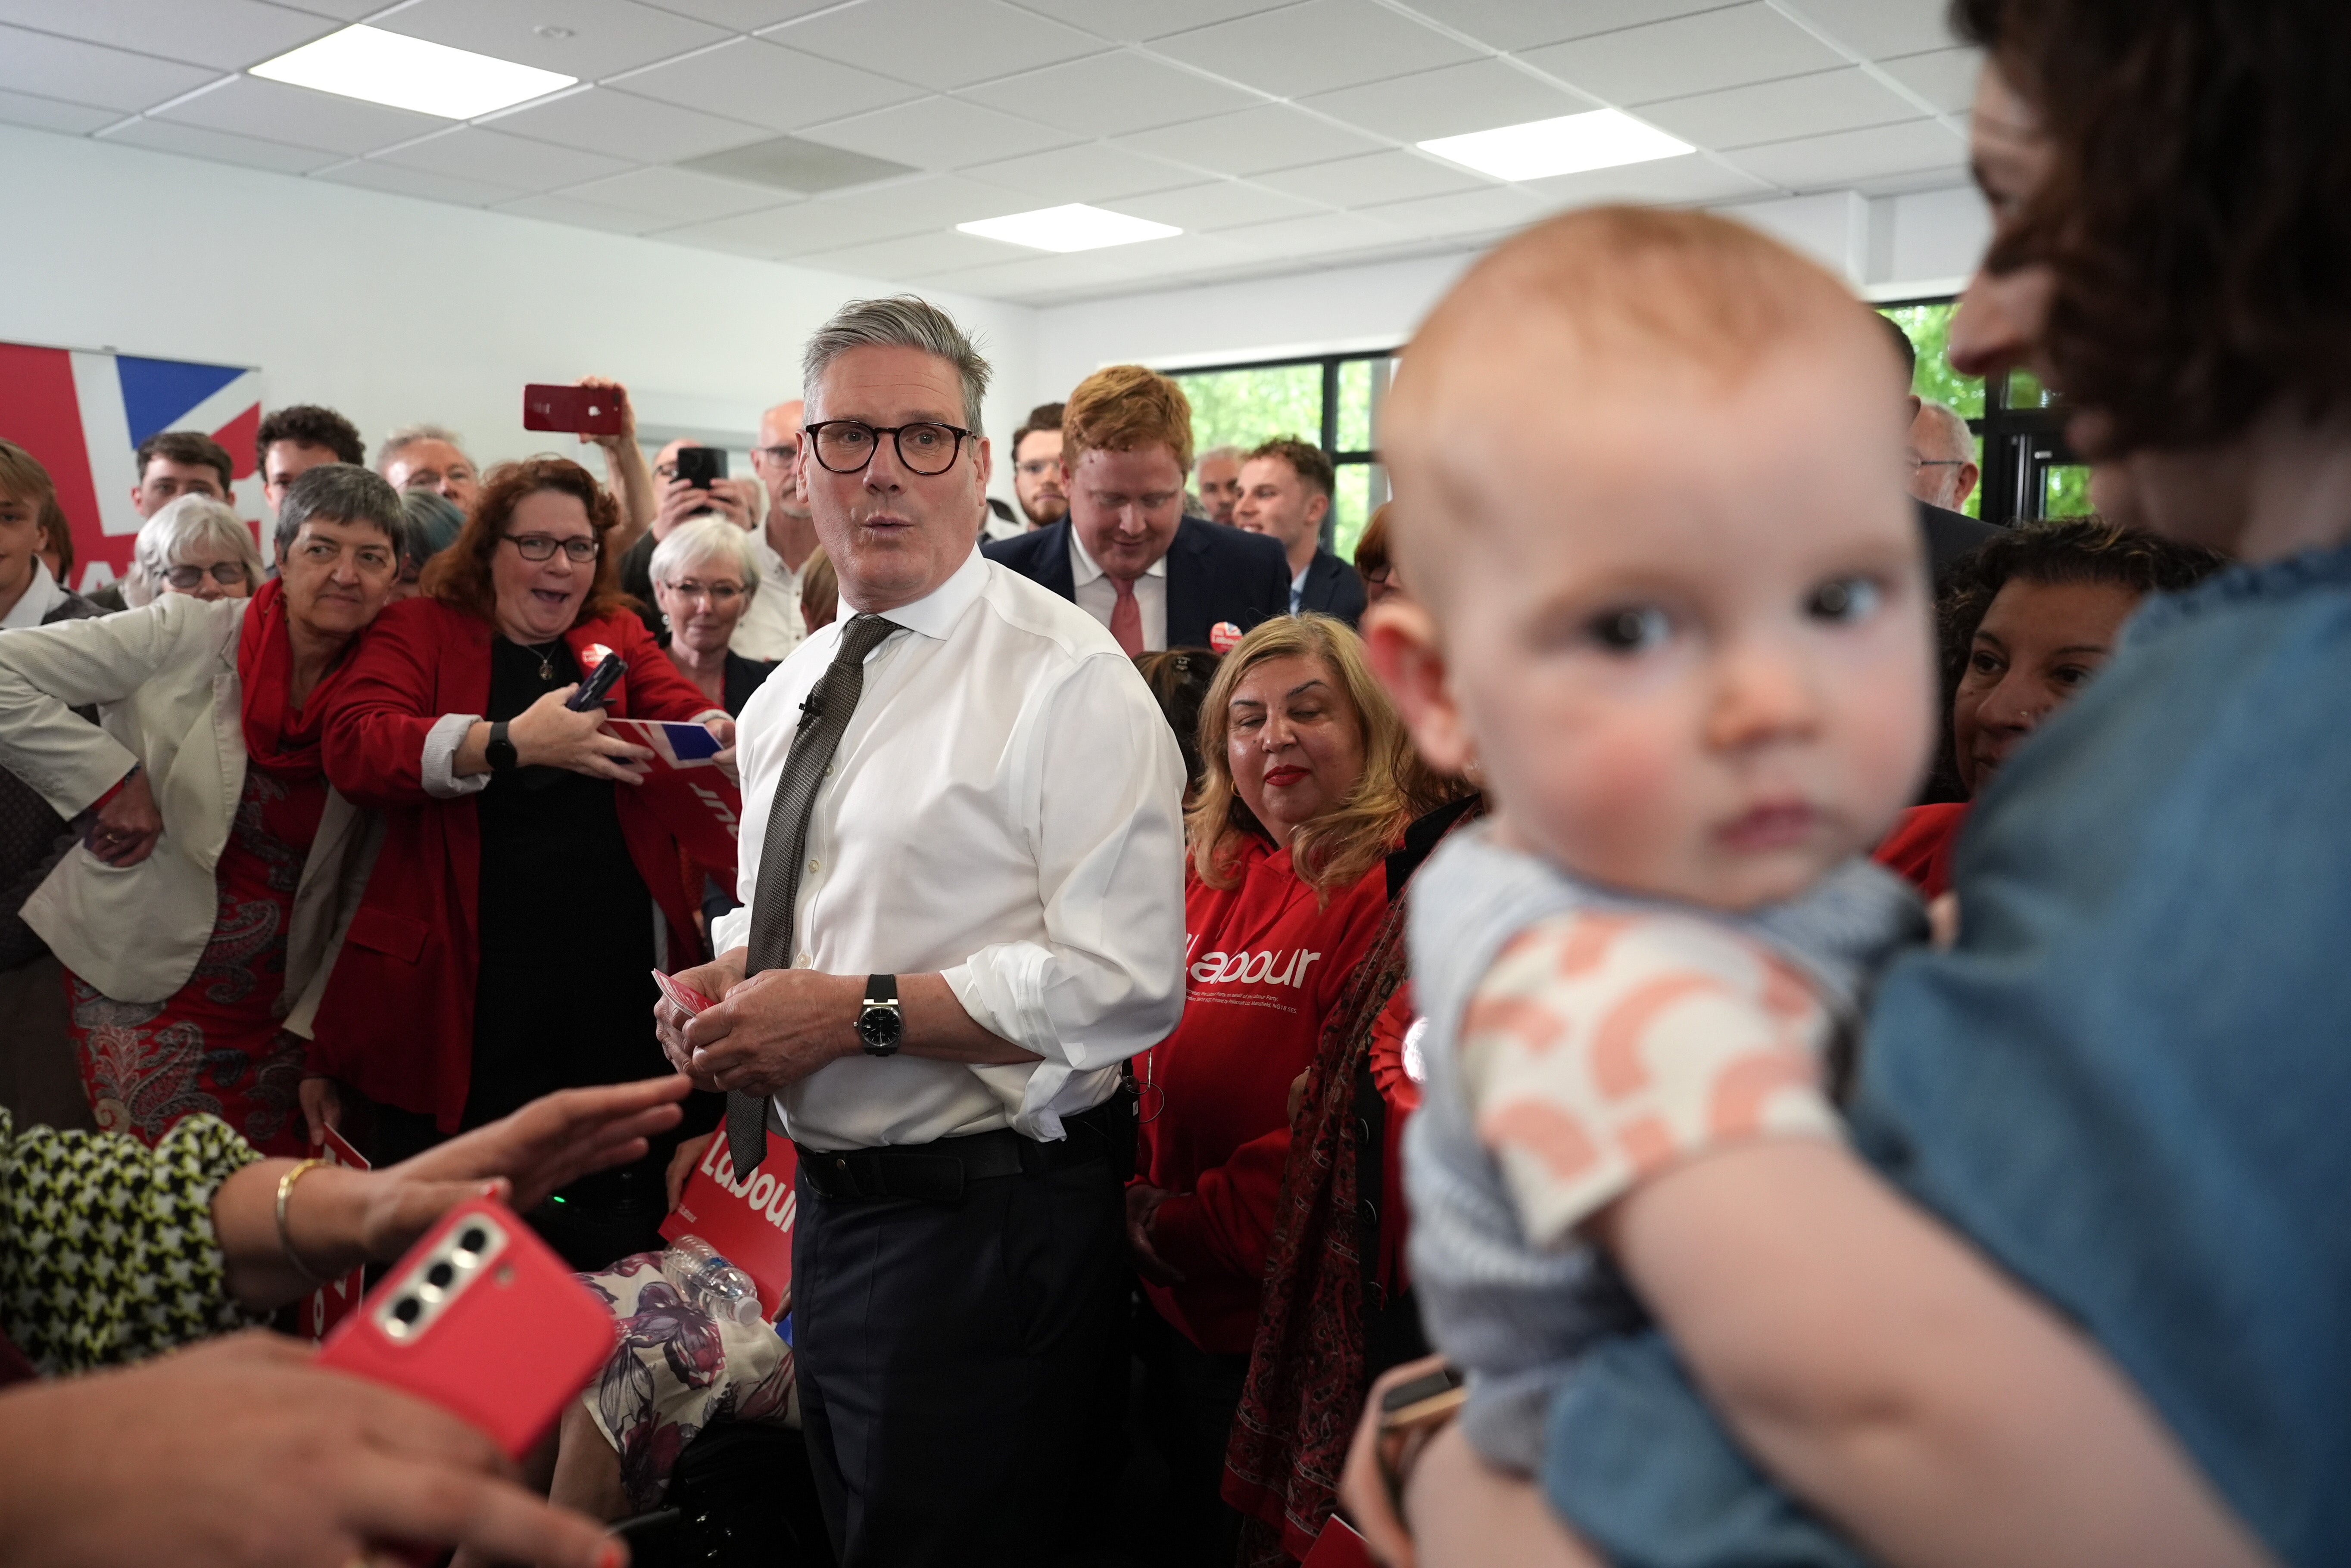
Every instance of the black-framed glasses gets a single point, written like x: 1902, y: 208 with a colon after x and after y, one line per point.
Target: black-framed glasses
x: 227, y: 573
x: 542, y: 546
x: 846, y: 446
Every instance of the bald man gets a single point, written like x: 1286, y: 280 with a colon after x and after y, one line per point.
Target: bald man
x: 771, y: 627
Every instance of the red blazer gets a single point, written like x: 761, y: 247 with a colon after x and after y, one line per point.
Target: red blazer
x: 397, y: 1020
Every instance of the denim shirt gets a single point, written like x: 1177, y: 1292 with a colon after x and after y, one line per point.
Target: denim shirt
x: 2128, y: 1083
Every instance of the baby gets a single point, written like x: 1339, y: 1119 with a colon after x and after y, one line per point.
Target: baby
x: 1670, y: 601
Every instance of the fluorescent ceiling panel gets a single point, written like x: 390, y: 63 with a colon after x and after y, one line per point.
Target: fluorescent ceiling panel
x: 1570, y: 144
x: 1076, y: 227
x: 411, y: 73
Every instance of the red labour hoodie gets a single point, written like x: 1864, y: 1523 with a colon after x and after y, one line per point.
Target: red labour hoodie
x: 1264, y: 966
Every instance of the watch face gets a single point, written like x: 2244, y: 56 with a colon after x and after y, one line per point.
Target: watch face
x: 878, y: 1027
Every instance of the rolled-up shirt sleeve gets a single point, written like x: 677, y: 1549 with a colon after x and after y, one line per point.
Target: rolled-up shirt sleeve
x: 439, y: 763
x: 1107, y: 980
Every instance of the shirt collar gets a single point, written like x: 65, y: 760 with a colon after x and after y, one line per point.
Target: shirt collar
x: 935, y: 613
x: 41, y: 596
x: 1084, y: 568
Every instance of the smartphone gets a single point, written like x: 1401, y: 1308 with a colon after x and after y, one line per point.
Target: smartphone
x: 583, y: 411
x: 1422, y: 1399
x: 698, y: 465
x: 483, y: 1319
x: 598, y: 686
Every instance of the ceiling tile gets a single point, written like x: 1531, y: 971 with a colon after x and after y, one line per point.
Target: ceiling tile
x: 768, y: 85
x: 745, y: 16
x: 1688, y: 54
x: 1107, y: 95
x: 1524, y: 23
x: 677, y: 195
x: 942, y: 44
x: 1131, y: 21
x: 431, y: 187
x: 473, y: 153
x: 626, y: 125
x: 915, y: 256
x: 1946, y: 77
x: 1373, y: 178
x: 1817, y: 162
x: 1875, y: 28
x: 1316, y: 234
x: 228, y: 34
x: 587, y: 39
x: 1089, y: 172
x: 939, y: 133
x: 219, y: 146
x: 1221, y: 205
x: 68, y: 68
x: 1275, y: 136
x: 1315, y: 47
x: 341, y: 10
x: 1496, y: 208
x: 1664, y: 180
x: 275, y: 111
x: 1776, y: 112
x: 938, y: 202
x: 1451, y: 100
x: 580, y: 214
x: 49, y: 114
x: 1041, y: 274
x: 779, y: 231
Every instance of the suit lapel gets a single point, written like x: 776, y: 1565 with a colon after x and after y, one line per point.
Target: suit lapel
x: 1058, y: 574
x: 1187, y: 588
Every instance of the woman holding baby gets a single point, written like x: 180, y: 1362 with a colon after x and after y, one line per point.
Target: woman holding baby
x: 2073, y: 1296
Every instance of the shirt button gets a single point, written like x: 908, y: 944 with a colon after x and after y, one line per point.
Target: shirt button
x: 804, y: 962
x: 828, y: 770
x: 812, y: 866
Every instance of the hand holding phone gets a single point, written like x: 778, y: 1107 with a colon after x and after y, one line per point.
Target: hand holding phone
x: 599, y: 685
x: 580, y: 410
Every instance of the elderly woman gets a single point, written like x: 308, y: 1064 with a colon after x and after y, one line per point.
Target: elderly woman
x: 524, y: 894
x: 1308, y: 783
x: 705, y: 574
x: 196, y: 922
x: 193, y: 546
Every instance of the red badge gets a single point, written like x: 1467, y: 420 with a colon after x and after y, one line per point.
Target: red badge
x: 1224, y: 637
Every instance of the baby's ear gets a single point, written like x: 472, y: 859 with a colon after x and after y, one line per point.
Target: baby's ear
x: 1408, y: 656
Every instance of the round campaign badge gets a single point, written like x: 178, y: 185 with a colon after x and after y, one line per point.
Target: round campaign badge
x: 1224, y: 637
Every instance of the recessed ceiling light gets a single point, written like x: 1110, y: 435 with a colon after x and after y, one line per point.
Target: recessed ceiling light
x: 411, y: 73
x: 1568, y: 145
x: 1076, y: 227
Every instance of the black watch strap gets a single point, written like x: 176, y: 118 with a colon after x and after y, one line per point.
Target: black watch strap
x: 498, y: 751
x: 879, y: 1022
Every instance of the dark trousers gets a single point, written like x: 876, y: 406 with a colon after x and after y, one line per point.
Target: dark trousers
x: 961, y: 1367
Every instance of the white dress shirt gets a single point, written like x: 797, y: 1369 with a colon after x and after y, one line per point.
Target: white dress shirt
x: 1298, y: 586
x: 41, y: 596
x: 771, y: 625
x: 1098, y: 596
x: 1004, y: 808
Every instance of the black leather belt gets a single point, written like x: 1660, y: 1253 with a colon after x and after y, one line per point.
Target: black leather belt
x: 940, y: 1171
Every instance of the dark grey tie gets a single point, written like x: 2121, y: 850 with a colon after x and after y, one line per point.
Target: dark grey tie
x: 823, y: 716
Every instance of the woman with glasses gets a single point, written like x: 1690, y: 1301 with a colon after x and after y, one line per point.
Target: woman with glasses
x: 193, y: 546
x: 524, y: 894
x: 705, y: 574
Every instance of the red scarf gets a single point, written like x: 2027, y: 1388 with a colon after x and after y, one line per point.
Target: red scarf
x: 277, y: 735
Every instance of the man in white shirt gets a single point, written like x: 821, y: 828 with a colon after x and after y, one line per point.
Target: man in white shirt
x: 962, y: 854
x: 771, y: 627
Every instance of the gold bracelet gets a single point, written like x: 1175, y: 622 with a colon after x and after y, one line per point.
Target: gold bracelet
x: 285, y: 1237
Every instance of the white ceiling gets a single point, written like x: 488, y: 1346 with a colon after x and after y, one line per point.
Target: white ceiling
x: 1278, y: 134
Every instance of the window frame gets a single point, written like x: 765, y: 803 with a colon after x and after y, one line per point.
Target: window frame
x: 2016, y: 445
x: 1327, y: 437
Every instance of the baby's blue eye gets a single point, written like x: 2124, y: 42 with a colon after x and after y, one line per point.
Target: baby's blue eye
x: 1846, y: 600
x: 1630, y: 628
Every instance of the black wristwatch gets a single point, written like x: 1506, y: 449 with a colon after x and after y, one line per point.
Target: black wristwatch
x: 878, y: 1023
x: 499, y: 752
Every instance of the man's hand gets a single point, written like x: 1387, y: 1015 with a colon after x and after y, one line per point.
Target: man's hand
x: 322, y: 1107
x: 713, y: 980
x: 244, y: 1454
x: 681, y: 499
x: 723, y: 731
x: 628, y: 431
x: 774, y: 1030
x: 126, y: 826
x: 1143, y: 1201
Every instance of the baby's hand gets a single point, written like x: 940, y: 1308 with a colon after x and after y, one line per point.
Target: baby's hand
x: 1943, y: 921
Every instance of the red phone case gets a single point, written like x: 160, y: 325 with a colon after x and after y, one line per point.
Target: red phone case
x: 511, y: 1337
x: 583, y: 411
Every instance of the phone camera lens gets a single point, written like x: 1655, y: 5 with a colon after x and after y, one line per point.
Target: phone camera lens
x: 439, y: 1275
x: 408, y: 1310
x: 474, y: 1239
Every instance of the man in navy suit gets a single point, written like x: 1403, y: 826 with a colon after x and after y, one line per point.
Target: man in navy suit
x: 1285, y: 496
x: 1126, y: 554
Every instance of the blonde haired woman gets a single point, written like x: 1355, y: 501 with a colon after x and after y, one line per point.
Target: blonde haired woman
x: 1308, y: 782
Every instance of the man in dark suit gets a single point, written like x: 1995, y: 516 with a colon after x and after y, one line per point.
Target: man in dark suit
x: 1126, y: 555
x: 1285, y: 496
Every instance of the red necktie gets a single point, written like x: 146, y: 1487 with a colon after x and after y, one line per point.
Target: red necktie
x: 1126, y: 617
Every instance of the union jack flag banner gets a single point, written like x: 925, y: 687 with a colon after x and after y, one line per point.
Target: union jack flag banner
x: 84, y: 414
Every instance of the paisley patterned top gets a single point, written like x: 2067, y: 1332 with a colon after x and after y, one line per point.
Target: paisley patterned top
x: 107, y: 1250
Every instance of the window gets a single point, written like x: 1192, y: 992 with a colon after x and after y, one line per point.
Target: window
x: 2028, y: 470
x: 1333, y: 400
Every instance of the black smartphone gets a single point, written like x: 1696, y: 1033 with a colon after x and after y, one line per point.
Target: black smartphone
x: 698, y: 465
x: 1430, y: 1394
x: 598, y: 686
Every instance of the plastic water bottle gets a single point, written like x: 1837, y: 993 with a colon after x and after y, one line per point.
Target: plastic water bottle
x: 704, y: 1277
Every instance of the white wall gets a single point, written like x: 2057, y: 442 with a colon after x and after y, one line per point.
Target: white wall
x: 395, y: 310
x: 1890, y: 247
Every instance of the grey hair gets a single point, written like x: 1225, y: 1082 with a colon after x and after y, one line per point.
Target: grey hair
x: 1227, y: 450
x: 901, y: 321
x: 1951, y: 429
x: 177, y: 526
x: 344, y: 492
x: 704, y: 539
x: 407, y: 436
